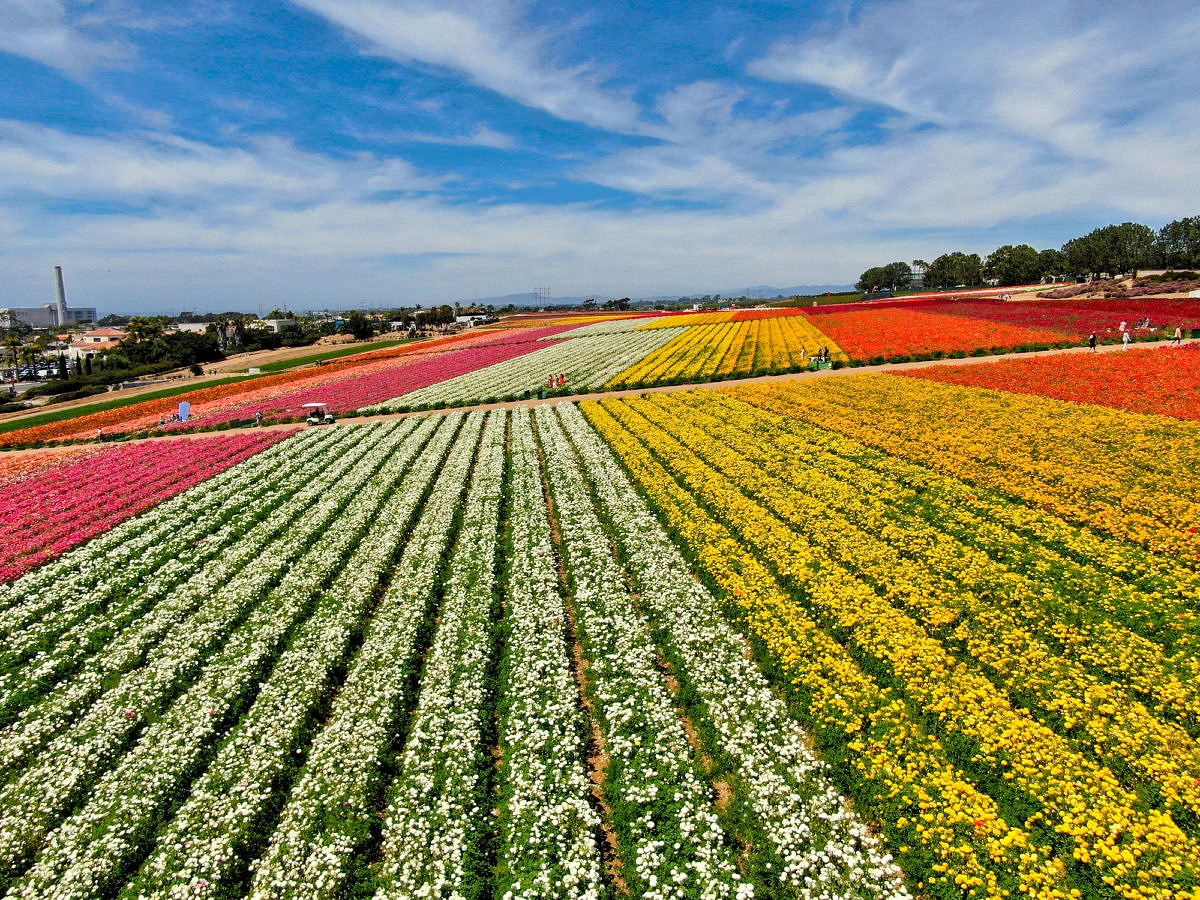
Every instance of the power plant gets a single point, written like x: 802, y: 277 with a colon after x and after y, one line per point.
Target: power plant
x: 48, y: 315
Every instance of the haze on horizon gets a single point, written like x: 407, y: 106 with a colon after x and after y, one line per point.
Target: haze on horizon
x: 216, y: 155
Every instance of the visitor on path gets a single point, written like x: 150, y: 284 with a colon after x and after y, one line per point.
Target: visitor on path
x: 1178, y: 336
x: 1125, y: 339
x: 1092, y: 341
x: 258, y: 418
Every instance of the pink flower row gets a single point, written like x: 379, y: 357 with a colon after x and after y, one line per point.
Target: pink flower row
x: 16, y: 467
x: 61, y: 507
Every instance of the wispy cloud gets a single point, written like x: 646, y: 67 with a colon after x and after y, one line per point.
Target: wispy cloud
x: 491, y: 44
x: 149, y: 168
x: 1045, y: 70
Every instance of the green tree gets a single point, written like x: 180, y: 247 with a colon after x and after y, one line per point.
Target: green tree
x: 1052, y: 264
x: 1112, y: 250
x: 954, y: 269
x: 145, y: 328
x: 1177, y: 245
x: 1009, y: 265
x: 359, y: 325
x: 894, y: 276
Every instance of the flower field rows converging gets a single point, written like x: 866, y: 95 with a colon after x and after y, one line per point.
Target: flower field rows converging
x: 587, y: 364
x: 1008, y: 693
x: 759, y: 346
x: 452, y: 656
x: 1165, y: 381
x: 65, y: 504
x: 344, y: 384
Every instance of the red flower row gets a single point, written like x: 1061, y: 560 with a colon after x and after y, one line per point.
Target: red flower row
x: 1078, y: 318
x: 909, y: 330
x: 1165, y: 381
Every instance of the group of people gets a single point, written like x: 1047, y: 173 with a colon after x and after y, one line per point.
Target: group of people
x: 1127, y: 338
x: 556, y: 381
x: 822, y: 355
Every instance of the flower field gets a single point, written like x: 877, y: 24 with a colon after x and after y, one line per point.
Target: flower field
x: 909, y: 330
x: 1078, y: 318
x: 732, y: 349
x: 872, y: 636
x: 1165, y: 381
x: 1010, y: 695
x: 344, y: 384
x: 587, y: 363
x: 295, y: 680
x: 68, y: 498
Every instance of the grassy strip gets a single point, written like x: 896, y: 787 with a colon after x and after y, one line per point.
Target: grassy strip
x: 62, y: 415
x: 351, y: 350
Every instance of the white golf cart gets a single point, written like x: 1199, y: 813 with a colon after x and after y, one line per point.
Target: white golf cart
x: 318, y: 414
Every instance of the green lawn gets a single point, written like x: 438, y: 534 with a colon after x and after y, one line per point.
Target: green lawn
x: 285, y: 364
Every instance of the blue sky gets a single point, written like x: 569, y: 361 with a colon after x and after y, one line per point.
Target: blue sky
x: 212, y: 155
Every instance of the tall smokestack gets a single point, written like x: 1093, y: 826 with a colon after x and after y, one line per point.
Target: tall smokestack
x: 61, y: 305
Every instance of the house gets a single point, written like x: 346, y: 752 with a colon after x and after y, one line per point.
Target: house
x: 96, y: 341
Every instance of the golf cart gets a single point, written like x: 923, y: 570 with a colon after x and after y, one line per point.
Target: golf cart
x: 318, y: 414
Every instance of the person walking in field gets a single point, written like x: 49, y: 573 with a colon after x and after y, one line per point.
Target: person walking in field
x: 1125, y: 339
x: 1178, y: 336
x: 1092, y: 342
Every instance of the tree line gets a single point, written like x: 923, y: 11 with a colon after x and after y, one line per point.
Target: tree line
x: 1111, y: 250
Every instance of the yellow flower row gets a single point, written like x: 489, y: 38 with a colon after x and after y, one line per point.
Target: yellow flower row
x: 937, y: 821
x: 731, y: 349
x: 1120, y: 609
x: 940, y: 581
x: 1136, y: 852
x: 1118, y: 472
x: 698, y: 318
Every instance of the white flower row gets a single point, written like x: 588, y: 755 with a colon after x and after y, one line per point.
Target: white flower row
x: 200, y: 848
x: 820, y: 848
x: 547, y: 847
x: 290, y: 569
x: 330, y: 810
x: 72, y: 578
x: 588, y: 363
x: 297, y: 634
x: 434, y: 811
x: 197, y: 535
x: 612, y: 326
x: 196, y: 613
x: 670, y: 838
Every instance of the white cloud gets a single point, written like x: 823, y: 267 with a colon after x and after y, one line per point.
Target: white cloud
x: 1027, y: 66
x: 42, y: 30
x: 153, y: 167
x: 488, y: 43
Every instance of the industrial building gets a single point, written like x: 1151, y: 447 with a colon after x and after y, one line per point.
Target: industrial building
x: 49, y: 315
